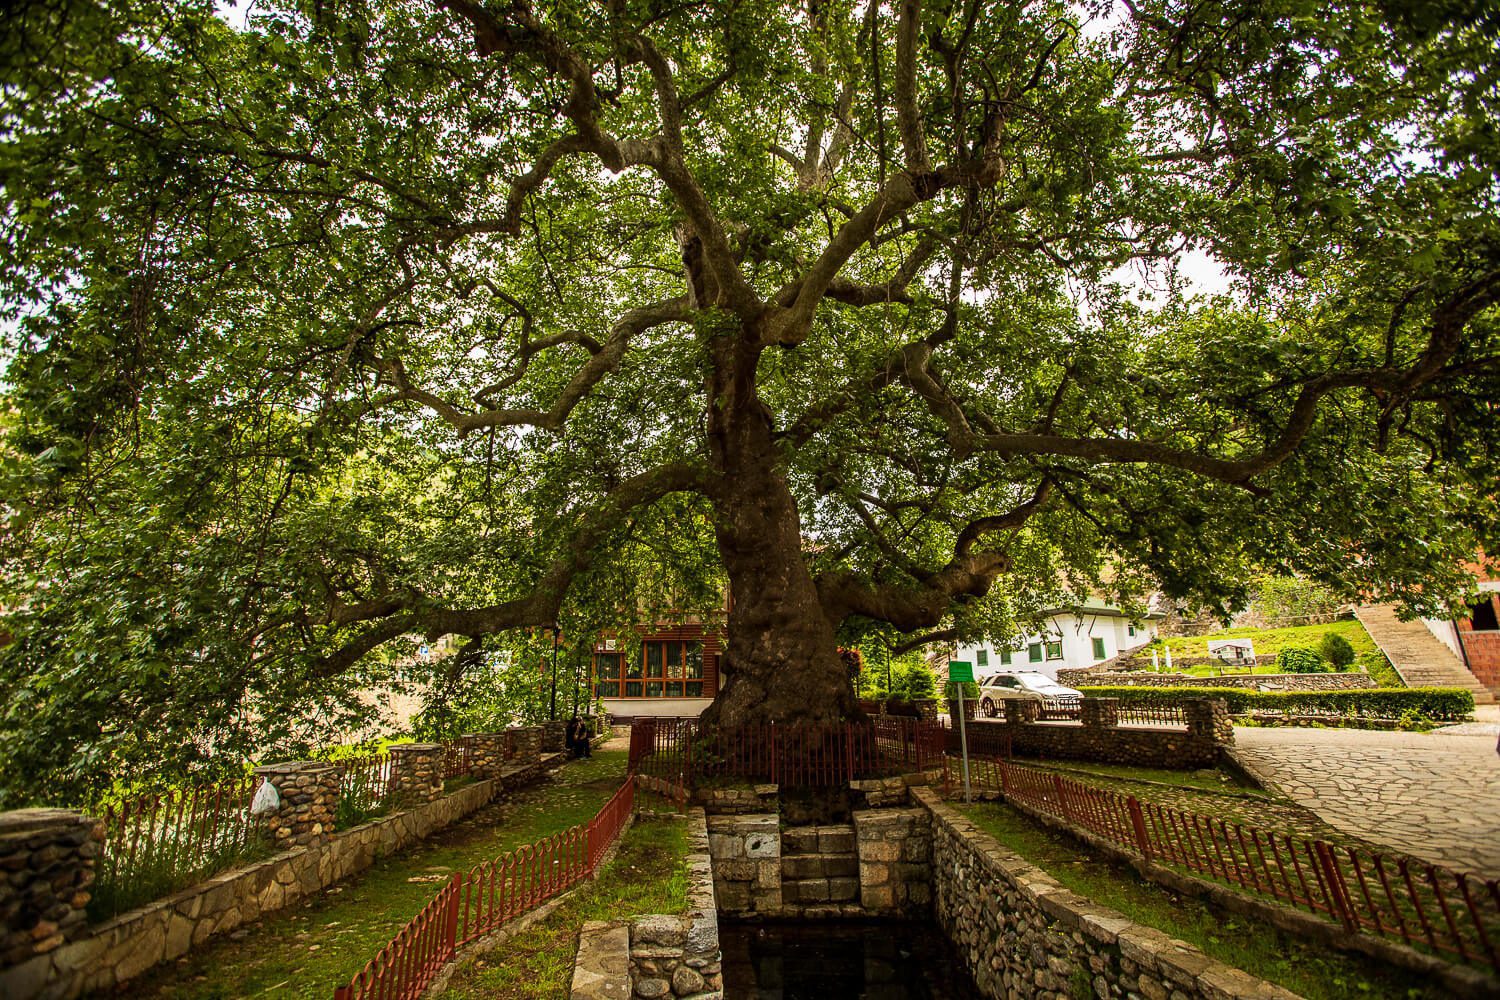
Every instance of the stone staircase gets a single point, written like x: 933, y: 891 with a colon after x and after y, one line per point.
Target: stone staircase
x: 1419, y: 657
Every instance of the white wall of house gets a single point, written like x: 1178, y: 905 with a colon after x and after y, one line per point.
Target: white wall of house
x: 656, y: 708
x: 1070, y: 639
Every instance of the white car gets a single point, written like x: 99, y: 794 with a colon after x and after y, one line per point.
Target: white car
x: 1026, y: 685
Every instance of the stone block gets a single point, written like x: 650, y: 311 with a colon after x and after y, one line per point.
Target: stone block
x: 762, y: 845
x: 843, y: 890
x: 836, y: 840
x: 658, y: 929
x: 799, y: 840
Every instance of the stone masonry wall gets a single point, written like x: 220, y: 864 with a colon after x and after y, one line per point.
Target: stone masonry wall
x: 1023, y: 935
x: 124, y: 947
x: 1091, y: 677
x: 895, y: 860
x: 677, y: 955
x: 746, y: 855
x: 1166, y: 748
x: 46, y: 868
x: 820, y: 871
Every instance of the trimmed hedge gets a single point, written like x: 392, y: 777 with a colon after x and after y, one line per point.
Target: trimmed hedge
x: 1377, y: 703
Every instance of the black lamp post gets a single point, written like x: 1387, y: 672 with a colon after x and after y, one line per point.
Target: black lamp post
x: 552, y: 709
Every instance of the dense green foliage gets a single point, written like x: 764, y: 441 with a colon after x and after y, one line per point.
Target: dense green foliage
x: 1293, y: 600
x: 1301, y: 660
x: 1336, y: 650
x: 1448, y: 704
x: 350, y: 325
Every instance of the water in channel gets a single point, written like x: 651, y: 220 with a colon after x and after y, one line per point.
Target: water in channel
x: 841, y: 960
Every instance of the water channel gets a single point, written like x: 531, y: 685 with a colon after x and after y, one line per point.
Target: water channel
x: 841, y: 960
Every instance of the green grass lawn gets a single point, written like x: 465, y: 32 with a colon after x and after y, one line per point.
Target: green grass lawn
x: 648, y: 875
x: 1260, y: 949
x: 308, y: 950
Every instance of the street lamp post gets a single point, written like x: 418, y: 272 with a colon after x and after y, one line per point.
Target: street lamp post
x: 552, y: 709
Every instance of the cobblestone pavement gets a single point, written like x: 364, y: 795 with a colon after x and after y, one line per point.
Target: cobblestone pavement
x: 1432, y: 795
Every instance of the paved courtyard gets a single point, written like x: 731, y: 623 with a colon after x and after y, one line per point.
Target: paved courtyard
x: 1432, y: 795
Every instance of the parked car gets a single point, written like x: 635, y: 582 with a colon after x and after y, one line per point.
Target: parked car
x: 1057, y: 700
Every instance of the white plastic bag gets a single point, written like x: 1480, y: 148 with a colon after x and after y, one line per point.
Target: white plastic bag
x: 267, y: 800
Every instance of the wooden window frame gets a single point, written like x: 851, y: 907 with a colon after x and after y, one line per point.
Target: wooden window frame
x: 1098, y: 644
x: 655, y: 669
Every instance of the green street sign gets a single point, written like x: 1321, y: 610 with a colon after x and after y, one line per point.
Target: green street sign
x: 958, y: 671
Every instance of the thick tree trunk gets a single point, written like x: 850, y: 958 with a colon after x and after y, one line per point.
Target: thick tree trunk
x: 781, y: 662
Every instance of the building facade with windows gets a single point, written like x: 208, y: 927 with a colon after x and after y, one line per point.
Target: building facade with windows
x: 1083, y: 636
x: 673, y: 673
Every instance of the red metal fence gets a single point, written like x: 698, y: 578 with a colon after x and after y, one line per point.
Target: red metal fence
x: 684, y: 751
x: 1421, y: 904
x: 476, y: 902
x: 155, y: 844
x: 364, y: 783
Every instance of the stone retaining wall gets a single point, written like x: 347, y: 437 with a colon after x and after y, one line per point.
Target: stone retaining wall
x: 1166, y: 748
x: 895, y: 860
x: 1091, y: 677
x: 746, y: 855
x: 46, y: 868
x: 1021, y: 934
x: 819, y: 869
x: 674, y: 955
x: 124, y: 947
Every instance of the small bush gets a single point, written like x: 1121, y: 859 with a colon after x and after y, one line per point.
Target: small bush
x: 1337, y: 650
x: 1300, y: 660
x: 1443, y: 704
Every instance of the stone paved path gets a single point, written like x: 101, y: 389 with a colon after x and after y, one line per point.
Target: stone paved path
x: 1432, y: 795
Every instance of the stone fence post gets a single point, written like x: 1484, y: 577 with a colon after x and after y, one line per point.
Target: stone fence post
x: 309, y: 791
x: 554, y: 735
x: 46, y: 867
x: 417, y: 772
x: 486, y: 754
x: 1100, y: 713
x: 1208, y: 718
x: 528, y: 744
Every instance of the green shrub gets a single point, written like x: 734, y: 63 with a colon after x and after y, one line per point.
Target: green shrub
x: 1300, y: 660
x: 1444, y: 704
x: 1380, y: 670
x: 1337, y: 650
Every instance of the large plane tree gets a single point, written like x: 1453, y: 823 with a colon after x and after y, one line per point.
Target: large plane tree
x: 348, y: 321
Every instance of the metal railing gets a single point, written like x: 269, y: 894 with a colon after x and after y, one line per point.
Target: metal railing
x: 476, y: 902
x: 685, y: 751
x: 364, y: 783
x: 155, y: 844
x: 1421, y: 904
x: 1151, y: 715
x: 455, y: 758
x: 1060, y: 709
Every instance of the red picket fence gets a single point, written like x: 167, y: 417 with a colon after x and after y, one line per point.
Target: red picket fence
x: 455, y: 758
x: 476, y: 902
x: 364, y: 782
x: 1423, y: 905
x: 795, y: 756
x: 155, y: 844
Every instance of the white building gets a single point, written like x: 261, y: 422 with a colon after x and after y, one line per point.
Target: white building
x: 1070, y: 637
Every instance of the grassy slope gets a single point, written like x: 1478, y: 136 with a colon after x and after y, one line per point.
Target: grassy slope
x: 1304, y: 968
x: 648, y: 875
x: 307, y: 951
x: 1270, y: 641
